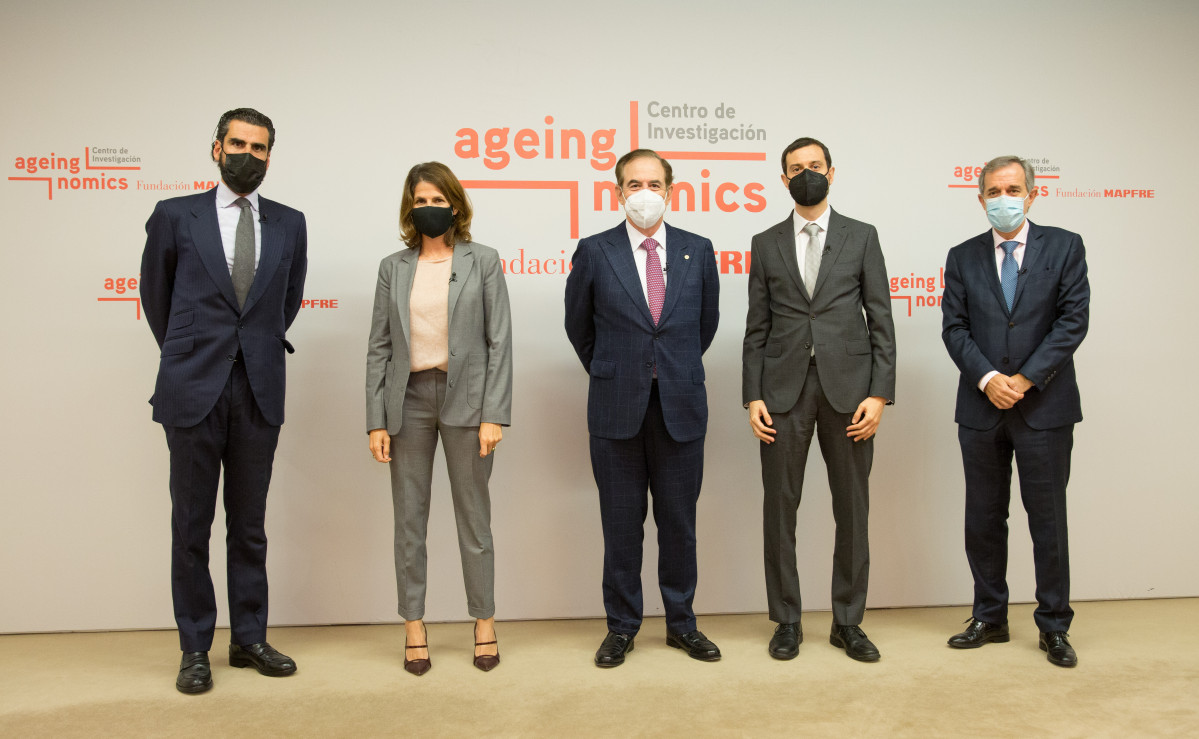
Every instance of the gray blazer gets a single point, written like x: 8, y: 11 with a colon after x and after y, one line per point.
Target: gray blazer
x: 479, y: 377
x: 848, y: 320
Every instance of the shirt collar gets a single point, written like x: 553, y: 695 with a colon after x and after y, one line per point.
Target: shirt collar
x: 821, y: 220
x: 1021, y: 235
x: 225, y: 197
x: 636, y: 237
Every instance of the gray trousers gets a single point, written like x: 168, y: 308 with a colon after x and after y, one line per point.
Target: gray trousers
x: 412, y: 453
x: 848, y: 464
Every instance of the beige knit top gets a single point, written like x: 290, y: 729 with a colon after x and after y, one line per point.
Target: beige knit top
x: 429, y: 315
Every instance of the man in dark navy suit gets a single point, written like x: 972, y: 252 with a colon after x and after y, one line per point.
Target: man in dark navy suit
x: 1015, y: 310
x: 642, y: 303
x: 222, y: 278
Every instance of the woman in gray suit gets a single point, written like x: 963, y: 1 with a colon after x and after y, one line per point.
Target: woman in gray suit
x: 439, y: 363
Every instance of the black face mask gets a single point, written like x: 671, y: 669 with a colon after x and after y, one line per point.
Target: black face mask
x: 808, y: 187
x: 243, y: 173
x: 432, y: 220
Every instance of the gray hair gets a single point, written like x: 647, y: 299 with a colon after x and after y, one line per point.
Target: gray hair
x: 1000, y: 163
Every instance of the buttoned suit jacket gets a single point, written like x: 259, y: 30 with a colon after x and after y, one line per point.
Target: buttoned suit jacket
x: 1036, y: 338
x: 848, y: 320
x: 610, y: 326
x: 479, y: 373
x: 188, y: 299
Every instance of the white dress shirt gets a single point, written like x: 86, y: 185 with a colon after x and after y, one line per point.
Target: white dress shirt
x: 228, y: 214
x: 801, y: 238
x: 640, y: 255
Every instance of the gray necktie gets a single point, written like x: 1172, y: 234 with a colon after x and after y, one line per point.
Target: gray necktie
x: 811, y: 258
x: 243, y: 252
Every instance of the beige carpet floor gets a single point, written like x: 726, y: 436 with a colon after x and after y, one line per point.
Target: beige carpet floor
x: 1138, y: 676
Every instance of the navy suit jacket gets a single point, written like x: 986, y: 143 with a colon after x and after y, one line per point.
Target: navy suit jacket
x: 1037, y: 338
x: 610, y: 326
x: 188, y: 299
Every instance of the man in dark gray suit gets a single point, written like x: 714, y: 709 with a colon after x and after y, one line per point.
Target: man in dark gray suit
x: 819, y: 356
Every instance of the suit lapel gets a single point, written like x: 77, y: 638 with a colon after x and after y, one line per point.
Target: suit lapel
x: 619, y: 253
x: 834, y: 242
x: 1033, y: 252
x: 678, y: 255
x: 401, y: 288
x: 785, y: 240
x: 986, y: 258
x: 206, y: 235
x: 460, y: 267
x: 270, y: 253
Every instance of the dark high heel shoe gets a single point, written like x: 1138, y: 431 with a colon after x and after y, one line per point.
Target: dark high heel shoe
x: 417, y: 667
x: 486, y: 662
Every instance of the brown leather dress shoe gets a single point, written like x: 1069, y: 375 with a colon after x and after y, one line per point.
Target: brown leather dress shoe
x: 262, y: 657
x: 195, y: 673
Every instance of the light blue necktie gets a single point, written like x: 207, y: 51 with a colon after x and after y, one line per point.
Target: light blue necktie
x: 1007, y: 273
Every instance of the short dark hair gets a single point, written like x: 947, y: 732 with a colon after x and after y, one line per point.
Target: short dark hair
x: 801, y: 143
x: 639, y: 154
x: 245, y: 115
x: 1030, y: 177
x: 440, y: 176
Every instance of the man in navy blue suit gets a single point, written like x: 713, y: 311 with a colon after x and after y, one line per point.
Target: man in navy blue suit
x: 642, y: 303
x: 222, y: 278
x: 1015, y: 310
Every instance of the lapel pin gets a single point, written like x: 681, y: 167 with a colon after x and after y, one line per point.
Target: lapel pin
x: 686, y: 256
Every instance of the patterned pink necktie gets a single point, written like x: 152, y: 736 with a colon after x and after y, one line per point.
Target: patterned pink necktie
x: 655, y: 286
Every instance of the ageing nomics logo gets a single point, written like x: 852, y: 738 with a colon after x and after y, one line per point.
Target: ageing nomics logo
x: 715, y: 129
x: 98, y: 170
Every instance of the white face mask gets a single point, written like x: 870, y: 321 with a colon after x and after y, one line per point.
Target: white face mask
x: 645, y: 208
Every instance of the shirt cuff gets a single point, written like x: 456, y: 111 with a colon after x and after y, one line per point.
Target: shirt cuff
x: 982, y: 384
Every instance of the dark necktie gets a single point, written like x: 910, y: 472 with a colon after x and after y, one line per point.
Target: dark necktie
x: 1007, y: 273
x: 243, y: 252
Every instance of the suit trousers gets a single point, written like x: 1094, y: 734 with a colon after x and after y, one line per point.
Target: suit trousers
x: 672, y: 472
x: 1043, y: 464
x: 783, y: 465
x: 412, y: 452
x: 235, y: 434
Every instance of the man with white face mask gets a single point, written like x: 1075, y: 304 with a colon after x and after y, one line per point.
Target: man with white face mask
x: 642, y: 303
x: 1015, y: 310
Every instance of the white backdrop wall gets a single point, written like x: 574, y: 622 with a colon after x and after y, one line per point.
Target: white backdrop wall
x: 909, y: 97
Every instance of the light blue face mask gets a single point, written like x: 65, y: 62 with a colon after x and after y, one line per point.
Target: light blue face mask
x: 1005, y: 213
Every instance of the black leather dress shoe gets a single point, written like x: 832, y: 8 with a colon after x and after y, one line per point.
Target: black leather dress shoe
x: 785, y: 642
x: 979, y: 633
x: 853, y: 640
x: 695, y: 644
x: 262, y: 657
x: 611, y: 653
x: 195, y: 673
x: 1058, y: 650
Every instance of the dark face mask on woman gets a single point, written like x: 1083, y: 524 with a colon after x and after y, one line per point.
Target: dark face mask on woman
x: 808, y: 187
x: 432, y: 220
